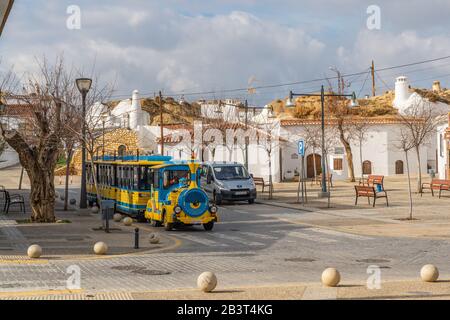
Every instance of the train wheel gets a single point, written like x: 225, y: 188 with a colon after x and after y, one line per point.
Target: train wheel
x: 141, y: 217
x: 168, y: 226
x: 155, y: 223
x: 208, y: 226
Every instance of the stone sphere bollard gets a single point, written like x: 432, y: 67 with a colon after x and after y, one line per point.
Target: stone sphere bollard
x: 429, y: 273
x: 207, y: 281
x: 56, y: 195
x: 62, y: 197
x: 127, y: 221
x: 34, y: 251
x: 117, y: 217
x: 95, y: 209
x: 100, y: 248
x: 73, y: 202
x: 154, y: 239
x: 331, y: 277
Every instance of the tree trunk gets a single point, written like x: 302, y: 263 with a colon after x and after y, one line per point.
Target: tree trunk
x: 42, y: 195
x: 361, y: 159
x: 270, y: 179
x: 66, y: 187
x: 348, y: 153
x: 409, y: 188
x: 419, y: 170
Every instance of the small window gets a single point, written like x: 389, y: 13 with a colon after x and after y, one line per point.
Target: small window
x: 338, y: 164
x: 367, y: 167
x: 156, y: 180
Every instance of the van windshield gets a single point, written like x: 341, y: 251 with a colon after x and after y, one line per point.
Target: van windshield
x: 231, y: 173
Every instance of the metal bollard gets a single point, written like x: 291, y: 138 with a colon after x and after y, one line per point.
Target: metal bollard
x: 136, y: 238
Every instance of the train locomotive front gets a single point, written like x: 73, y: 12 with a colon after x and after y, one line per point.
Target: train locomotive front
x: 176, y: 199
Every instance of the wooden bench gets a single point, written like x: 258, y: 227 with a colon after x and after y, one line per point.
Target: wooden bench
x: 436, y: 184
x: 260, y: 182
x: 370, y: 192
x: 373, y: 180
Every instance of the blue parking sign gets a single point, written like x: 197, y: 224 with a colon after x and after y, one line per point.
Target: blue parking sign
x: 301, y: 148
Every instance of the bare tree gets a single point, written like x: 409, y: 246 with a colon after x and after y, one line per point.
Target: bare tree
x: 419, y: 122
x: 268, y: 140
x: 38, y: 140
x: 406, y: 143
x: 338, y: 107
x: 360, y: 132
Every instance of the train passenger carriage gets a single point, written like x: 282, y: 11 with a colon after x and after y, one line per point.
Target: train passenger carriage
x: 153, y: 188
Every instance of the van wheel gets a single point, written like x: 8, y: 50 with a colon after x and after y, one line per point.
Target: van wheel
x: 208, y: 226
x: 217, y: 199
x: 168, y: 226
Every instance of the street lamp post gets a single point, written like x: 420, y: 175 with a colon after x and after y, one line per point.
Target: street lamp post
x: 83, y: 85
x: 246, y: 137
x: 354, y: 103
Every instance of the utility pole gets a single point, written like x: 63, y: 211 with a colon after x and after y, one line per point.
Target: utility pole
x: 161, y: 122
x: 372, y: 69
x: 246, y: 138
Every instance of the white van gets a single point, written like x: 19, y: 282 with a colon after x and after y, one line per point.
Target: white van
x: 227, y: 181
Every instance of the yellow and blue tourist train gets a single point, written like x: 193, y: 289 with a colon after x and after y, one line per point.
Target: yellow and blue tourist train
x: 152, y: 188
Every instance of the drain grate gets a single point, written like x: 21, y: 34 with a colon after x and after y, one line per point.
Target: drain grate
x: 373, y: 260
x: 127, y: 268
x: 299, y: 260
x: 140, y: 270
x: 146, y: 272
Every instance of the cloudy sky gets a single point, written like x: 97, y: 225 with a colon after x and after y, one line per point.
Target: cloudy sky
x: 190, y: 46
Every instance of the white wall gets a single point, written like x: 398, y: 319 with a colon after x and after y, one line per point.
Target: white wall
x: 443, y: 151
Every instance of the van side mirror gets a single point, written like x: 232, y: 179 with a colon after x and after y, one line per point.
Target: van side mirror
x: 208, y: 179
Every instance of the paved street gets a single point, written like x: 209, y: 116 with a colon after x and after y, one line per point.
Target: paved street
x: 253, y: 246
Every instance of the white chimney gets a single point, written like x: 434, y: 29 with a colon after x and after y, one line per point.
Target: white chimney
x: 436, y: 86
x: 401, y: 91
x: 135, y: 110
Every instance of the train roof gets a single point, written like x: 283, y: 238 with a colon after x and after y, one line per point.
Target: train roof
x: 133, y: 159
x: 176, y: 163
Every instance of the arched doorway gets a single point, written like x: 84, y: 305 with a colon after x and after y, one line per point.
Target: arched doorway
x: 121, y: 151
x: 399, y: 167
x: 310, y: 165
x: 367, y: 167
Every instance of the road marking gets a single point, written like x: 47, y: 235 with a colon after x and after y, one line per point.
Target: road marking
x: 38, y: 293
x: 236, y: 239
x: 239, y: 211
x: 18, y: 261
x: 201, y: 240
x: 306, y: 236
x: 339, y: 234
x: 257, y: 235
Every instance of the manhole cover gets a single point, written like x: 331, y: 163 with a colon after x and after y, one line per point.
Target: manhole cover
x: 75, y: 239
x: 374, y: 260
x: 299, y: 260
x: 127, y: 268
x: 146, y: 272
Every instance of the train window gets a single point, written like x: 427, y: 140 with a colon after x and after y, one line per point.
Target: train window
x: 173, y: 177
x: 126, y: 178
x: 119, y: 175
x: 145, y: 178
x: 156, y: 180
x: 135, y: 178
